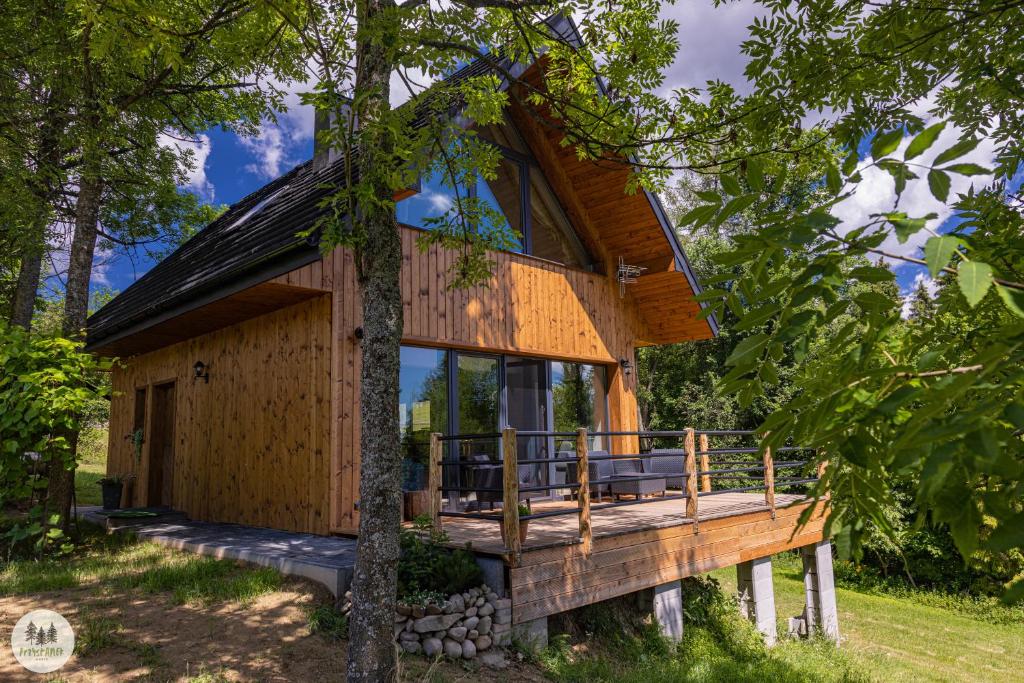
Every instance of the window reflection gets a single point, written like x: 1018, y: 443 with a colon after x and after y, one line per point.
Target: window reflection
x: 432, y: 201
x: 504, y: 194
x: 422, y: 409
x: 579, y: 394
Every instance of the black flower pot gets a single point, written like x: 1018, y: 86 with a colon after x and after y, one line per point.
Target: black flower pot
x: 112, y: 494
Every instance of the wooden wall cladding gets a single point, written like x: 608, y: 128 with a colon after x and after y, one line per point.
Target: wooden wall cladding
x: 529, y: 307
x: 252, y: 446
x: 558, y: 579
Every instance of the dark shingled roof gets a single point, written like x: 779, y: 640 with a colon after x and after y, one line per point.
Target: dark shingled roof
x: 257, y: 232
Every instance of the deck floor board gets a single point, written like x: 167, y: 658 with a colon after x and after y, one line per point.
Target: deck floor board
x: 485, y: 535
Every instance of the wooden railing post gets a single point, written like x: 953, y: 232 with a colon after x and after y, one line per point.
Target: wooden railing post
x: 705, y: 464
x: 510, y: 494
x: 583, y: 492
x: 434, y: 480
x: 769, y: 480
x: 690, y: 469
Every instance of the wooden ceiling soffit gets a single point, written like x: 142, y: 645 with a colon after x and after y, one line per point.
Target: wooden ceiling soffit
x: 235, y: 308
x: 668, y: 309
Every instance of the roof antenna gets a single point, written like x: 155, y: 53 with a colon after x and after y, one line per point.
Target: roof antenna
x: 627, y: 275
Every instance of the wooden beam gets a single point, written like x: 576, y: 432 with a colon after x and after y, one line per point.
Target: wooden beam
x: 690, y: 468
x: 705, y: 464
x: 583, y: 492
x: 434, y: 480
x: 510, y: 497
x: 769, y: 480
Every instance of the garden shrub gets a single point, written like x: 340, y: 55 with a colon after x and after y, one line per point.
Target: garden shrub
x: 48, y: 389
x: 427, y: 567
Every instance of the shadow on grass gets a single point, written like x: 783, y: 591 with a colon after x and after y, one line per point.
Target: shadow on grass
x: 122, y: 561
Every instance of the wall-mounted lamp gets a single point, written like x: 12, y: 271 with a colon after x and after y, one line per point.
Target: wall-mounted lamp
x: 627, y: 366
x: 200, y: 371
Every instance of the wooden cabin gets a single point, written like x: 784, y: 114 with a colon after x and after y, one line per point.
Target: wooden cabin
x: 236, y: 398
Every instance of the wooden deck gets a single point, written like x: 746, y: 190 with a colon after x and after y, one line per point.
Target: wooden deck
x: 636, y: 547
x: 485, y: 536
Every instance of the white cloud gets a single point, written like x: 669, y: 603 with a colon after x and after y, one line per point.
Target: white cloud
x: 877, y: 192
x: 709, y: 43
x: 930, y: 286
x: 283, y: 143
x: 198, y: 152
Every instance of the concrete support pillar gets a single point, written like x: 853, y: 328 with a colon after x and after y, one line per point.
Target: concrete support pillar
x: 668, y: 610
x: 665, y: 604
x: 820, y: 613
x: 532, y: 635
x: 756, y: 594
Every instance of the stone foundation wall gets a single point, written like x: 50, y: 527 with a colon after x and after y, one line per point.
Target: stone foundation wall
x: 462, y: 626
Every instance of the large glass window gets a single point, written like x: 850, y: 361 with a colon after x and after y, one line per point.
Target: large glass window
x: 504, y: 194
x: 519, y: 192
x: 477, y: 385
x: 433, y: 200
x: 526, y: 396
x: 464, y: 393
x: 422, y: 408
x: 551, y: 235
x: 579, y: 398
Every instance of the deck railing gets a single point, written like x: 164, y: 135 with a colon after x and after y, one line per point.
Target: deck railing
x: 732, y: 467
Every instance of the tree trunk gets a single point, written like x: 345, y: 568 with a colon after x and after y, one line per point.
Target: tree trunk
x: 61, y: 474
x: 44, y: 185
x: 24, y: 303
x: 371, y: 652
x: 83, y: 249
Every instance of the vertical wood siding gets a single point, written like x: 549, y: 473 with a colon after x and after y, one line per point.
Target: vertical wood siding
x: 252, y: 446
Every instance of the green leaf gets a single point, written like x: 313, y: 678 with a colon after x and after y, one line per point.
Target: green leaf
x: 832, y: 179
x: 872, y: 274
x: 730, y: 185
x: 755, y: 174
x: 699, y: 215
x: 938, y: 251
x: 975, y: 279
x: 1013, y: 298
x: 923, y: 140
x: 748, y: 350
x: 710, y: 196
x: 850, y: 162
x: 938, y: 183
x: 956, y: 151
x: 873, y: 301
x: 886, y: 143
x: 735, y: 205
x: 905, y: 227
x: 967, y: 169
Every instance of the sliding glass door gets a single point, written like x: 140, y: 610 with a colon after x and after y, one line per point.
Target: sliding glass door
x: 527, y: 410
x: 477, y: 407
x: 456, y: 392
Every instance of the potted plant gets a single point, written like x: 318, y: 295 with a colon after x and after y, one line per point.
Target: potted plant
x: 524, y: 524
x: 112, y: 486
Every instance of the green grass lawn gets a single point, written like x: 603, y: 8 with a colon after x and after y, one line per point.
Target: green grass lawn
x: 119, y: 562
x: 911, y: 637
x: 900, y: 639
x: 92, y: 465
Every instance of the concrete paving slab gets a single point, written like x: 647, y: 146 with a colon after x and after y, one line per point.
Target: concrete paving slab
x: 328, y: 560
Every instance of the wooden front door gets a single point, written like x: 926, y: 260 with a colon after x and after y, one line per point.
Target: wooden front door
x: 161, y: 447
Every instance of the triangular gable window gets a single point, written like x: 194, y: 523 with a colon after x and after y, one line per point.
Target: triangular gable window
x: 519, y: 192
